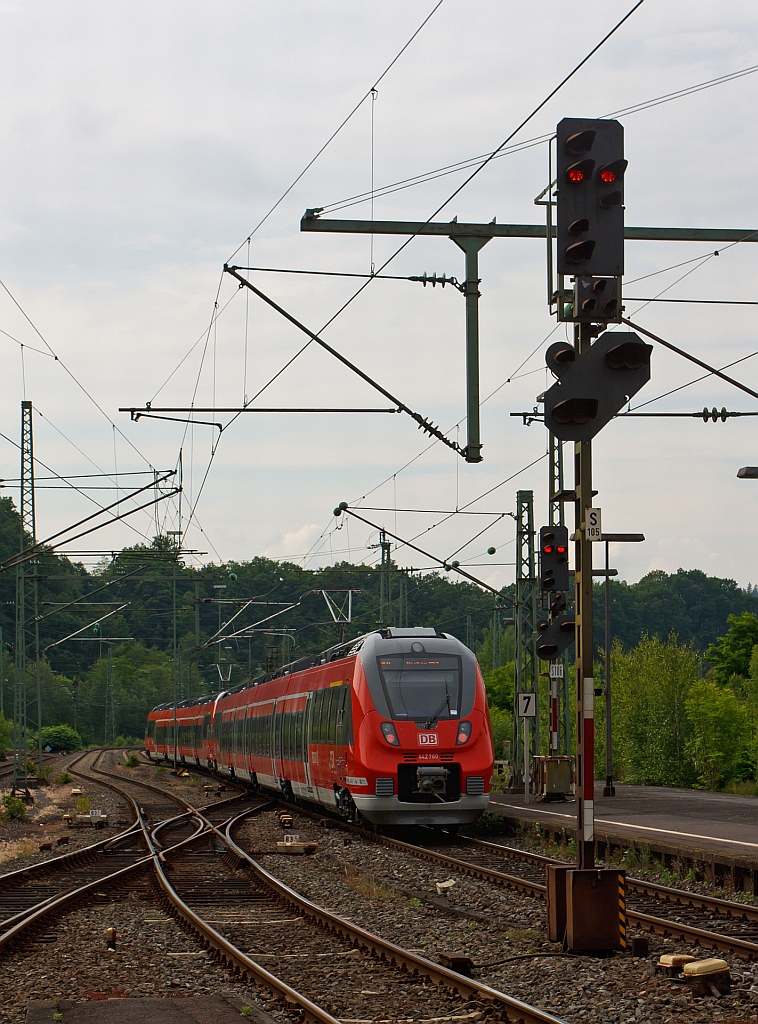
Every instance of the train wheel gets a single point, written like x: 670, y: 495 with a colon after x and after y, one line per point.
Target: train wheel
x: 346, y: 805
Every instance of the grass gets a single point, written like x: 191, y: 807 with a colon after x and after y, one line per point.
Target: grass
x: 63, y: 779
x: 132, y: 761
x: 743, y: 787
x: 367, y: 885
x: 82, y: 805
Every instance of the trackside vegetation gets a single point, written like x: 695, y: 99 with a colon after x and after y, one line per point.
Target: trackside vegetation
x: 684, y: 655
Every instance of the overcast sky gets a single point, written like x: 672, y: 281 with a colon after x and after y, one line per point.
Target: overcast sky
x: 143, y: 142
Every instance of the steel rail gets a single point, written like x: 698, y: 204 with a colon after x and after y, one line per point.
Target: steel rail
x: 698, y: 936
x: 56, y: 903
x: 166, y: 793
x: 71, y: 857
x: 24, y: 919
x: 228, y: 950
x: 515, y: 1010
x: 666, y: 893
x: 464, y: 866
x: 692, y: 933
x: 723, y: 908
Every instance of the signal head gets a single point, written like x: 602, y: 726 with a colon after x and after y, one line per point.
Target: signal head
x: 580, y: 142
x: 579, y: 172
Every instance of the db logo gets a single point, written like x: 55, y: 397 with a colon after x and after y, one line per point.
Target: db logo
x: 428, y: 739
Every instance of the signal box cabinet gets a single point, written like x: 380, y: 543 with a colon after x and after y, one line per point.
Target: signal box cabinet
x: 552, y: 776
x: 595, y: 910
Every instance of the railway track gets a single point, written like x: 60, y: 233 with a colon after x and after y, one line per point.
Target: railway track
x: 698, y: 919
x: 216, y: 887
x: 208, y: 888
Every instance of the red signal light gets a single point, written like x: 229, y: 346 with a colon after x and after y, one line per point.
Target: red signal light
x: 561, y: 550
x: 579, y: 172
x: 548, y: 549
x: 607, y: 176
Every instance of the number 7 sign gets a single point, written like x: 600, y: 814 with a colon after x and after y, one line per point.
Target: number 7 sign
x: 527, y: 705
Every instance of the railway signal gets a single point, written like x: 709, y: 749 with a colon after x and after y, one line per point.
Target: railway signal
x: 592, y: 387
x: 554, y: 570
x: 591, y: 168
x: 553, y: 638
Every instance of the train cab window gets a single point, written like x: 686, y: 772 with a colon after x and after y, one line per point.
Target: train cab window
x: 420, y: 688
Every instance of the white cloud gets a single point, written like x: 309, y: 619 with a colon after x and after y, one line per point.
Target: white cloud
x: 142, y: 143
x: 294, y: 544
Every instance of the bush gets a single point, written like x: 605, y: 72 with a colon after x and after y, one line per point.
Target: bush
x: 15, y: 808
x: 82, y: 805
x: 63, y: 778
x: 61, y: 737
x: 132, y: 761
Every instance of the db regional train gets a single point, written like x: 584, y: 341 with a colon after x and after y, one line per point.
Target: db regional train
x: 392, y: 727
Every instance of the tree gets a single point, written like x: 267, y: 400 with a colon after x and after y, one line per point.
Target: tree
x: 6, y: 733
x: 688, y: 602
x: 499, y: 685
x: 650, y: 725
x: 730, y: 654
x: 719, y: 730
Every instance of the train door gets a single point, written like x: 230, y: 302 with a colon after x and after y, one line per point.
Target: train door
x: 275, y: 741
x: 332, y: 712
x: 307, y: 730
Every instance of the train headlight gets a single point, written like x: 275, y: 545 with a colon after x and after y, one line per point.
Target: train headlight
x: 388, y: 729
x: 464, y: 733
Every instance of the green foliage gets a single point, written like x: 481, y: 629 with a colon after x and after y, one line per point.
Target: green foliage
x: 14, y: 808
x: 6, y: 733
x: 730, y: 654
x: 499, y: 684
x: 61, y: 737
x: 719, y: 730
x: 63, y: 779
x: 82, y: 804
x: 650, y: 686
x: 688, y: 603
x: 502, y: 730
x: 132, y: 761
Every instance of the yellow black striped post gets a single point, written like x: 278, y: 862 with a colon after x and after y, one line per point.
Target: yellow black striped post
x: 622, y: 909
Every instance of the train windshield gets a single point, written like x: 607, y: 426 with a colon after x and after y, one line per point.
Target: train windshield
x: 422, y: 688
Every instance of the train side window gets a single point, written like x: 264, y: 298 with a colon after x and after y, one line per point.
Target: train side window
x: 316, y: 702
x: 299, y: 715
x: 343, y: 716
x: 334, y: 707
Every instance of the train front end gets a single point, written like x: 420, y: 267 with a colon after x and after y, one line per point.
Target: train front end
x: 422, y: 751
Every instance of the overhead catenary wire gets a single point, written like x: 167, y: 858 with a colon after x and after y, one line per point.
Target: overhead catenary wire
x: 689, y: 383
x: 69, y: 372
x: 440, y: 561
x: 461, y: 165
x: 692, y: 359
x: 339, y: 128
x: 400, y: 248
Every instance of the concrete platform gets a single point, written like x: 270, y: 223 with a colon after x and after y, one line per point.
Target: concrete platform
x: 223, y: 1008
x: 716, y: 828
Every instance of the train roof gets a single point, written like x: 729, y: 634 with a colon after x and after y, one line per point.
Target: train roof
x: 336, y: 653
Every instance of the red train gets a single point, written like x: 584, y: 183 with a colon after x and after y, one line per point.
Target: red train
x: 392, y: 726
